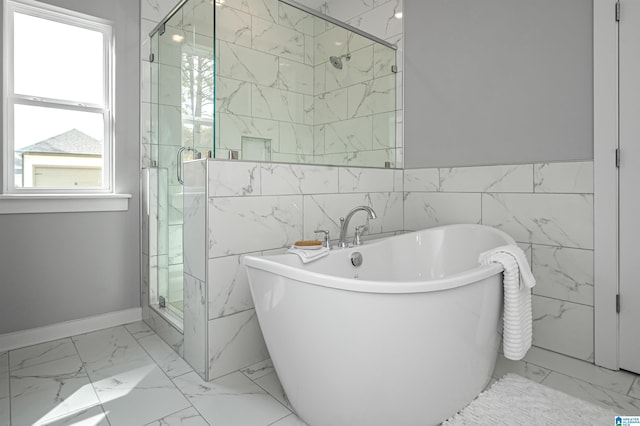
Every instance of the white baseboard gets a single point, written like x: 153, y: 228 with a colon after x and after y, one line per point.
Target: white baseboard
x: 20, y: 339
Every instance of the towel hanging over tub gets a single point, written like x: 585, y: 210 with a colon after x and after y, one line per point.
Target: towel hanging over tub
x: 518, y: 280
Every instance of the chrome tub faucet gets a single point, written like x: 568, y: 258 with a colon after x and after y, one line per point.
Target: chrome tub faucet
x: 344, y: 225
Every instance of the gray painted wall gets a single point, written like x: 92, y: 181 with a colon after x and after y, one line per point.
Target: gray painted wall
x: 497, y: 82
x: 65, y: 266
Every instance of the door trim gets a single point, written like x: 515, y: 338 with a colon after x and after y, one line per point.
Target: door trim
x: 605, y: 135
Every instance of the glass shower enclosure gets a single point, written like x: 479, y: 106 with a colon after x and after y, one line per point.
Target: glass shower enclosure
x: 258, y: 80
x: 182, y: 109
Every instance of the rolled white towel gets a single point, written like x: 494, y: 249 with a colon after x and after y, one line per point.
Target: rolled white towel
x: 526, y: 276
x: 307, y: 256
x: 517, y: 282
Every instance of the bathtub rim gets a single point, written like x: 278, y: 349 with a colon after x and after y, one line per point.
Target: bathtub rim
x: 299, y: 273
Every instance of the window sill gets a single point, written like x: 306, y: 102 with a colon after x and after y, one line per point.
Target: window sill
x: 63, y: 203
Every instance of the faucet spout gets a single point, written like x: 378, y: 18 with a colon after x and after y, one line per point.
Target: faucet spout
x: 344, y: 222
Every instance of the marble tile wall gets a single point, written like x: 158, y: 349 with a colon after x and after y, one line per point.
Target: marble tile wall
x: 277, y: 204
x: 195, y: 312
x: 548, y: 209
x: 265, y: 78
x: 258, y: 209
x: 275, y: 82
x: 359, y: 92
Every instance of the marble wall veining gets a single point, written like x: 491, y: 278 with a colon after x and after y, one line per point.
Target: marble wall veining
x: 236, y: 208
x: 275, y: 81
x: 382, y: 19
x: 261, y: 208
x: 548, y: 209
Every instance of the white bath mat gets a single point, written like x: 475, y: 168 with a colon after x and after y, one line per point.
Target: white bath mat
x: 514, y: 400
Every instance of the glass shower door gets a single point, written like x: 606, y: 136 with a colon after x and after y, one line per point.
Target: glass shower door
x: 182, y: 84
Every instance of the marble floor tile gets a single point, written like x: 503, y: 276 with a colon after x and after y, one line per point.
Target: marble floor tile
x: 186, y: 417
x: 271, y: 384
x: 139, y: 395
x: 635, y: 389
x: 50, y: 391
x: 122, y: 377
x: 110, y: 351
x: 130, y: 385
x: 139, y: 330
x: 94, y: 416
x: 616, y: 381
x: 42, y: 353
x: 620, y: 404
x: 522, y: 368
x: 258, y: 370
x: 166, y: 358
x: 290, y: 420
x: 232, y: 400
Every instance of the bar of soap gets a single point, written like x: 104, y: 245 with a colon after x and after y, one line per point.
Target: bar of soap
x: 307, y: 243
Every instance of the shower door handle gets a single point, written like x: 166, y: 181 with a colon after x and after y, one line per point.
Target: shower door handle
x: 179, y: 165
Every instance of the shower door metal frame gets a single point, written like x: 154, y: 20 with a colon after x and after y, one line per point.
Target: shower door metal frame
x: 338, y: 23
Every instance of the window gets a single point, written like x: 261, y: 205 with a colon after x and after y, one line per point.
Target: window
x: 58, y: 89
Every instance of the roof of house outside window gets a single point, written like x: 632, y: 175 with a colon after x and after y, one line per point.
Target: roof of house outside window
x: 70, y: 142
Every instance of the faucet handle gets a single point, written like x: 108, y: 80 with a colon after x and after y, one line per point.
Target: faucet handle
x: 357, y: 238
x: 326, y: 239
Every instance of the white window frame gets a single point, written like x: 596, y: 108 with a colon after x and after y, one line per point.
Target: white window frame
x: 61, y: 195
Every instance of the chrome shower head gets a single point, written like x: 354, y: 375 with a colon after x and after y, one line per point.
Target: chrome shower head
x: 336, y: 61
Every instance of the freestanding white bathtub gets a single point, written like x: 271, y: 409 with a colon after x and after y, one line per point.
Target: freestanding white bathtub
x: 408, y: 338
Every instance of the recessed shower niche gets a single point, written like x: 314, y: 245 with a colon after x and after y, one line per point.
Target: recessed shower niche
x: 256, y: 149
x: 269, y: 81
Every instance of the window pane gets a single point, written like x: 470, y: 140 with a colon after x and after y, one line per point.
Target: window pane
x: 57, y: 148
x: 59, y: 61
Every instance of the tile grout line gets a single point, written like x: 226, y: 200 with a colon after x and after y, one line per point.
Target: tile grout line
x: 571, y: 376
x: 564, y: 301
x: 176, y: 412
x: 220, y: 377
x: 167, y: 376
x: 612, y: 394
x: 282, y: 418
x: 607, y: 391
x: 270, y: 395
x: 106, y: 417
x: 631, y: 387
x: 635, y: 382
x: 578, y: 362
x: 62, y: 416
